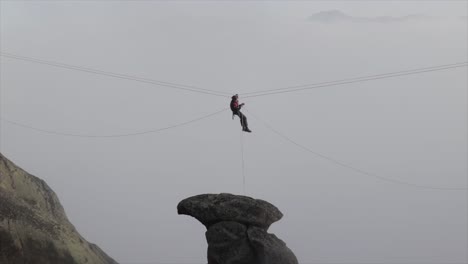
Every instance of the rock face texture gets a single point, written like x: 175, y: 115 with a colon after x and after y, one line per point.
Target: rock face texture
x: 237, y: 229
x: 33, y: 224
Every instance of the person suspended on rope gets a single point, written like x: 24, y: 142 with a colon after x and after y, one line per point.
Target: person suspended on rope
x: 236, y: 107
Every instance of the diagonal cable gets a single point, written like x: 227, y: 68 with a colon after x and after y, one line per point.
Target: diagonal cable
x: 353, y: 80
x: 350, y: 167
x: 116, y: 75
x: 58, y: 133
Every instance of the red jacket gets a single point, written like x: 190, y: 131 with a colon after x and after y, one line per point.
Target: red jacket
x: 235, y: 105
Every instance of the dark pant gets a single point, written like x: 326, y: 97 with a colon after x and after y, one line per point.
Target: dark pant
x: 243, y: 118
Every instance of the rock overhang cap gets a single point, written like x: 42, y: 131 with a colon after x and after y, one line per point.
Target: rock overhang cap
x: 213, y: 208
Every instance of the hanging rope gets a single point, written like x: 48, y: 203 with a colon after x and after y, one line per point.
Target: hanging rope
x: 114, y: 135
x: 347, y: 166
x: 242, y: 160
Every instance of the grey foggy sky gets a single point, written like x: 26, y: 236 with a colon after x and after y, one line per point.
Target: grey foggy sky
x: 121, y: 193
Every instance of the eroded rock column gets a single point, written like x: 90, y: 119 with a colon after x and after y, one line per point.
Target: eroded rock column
x: 237, y: 229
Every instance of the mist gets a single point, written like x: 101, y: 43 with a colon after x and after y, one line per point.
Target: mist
x: 121, y: 193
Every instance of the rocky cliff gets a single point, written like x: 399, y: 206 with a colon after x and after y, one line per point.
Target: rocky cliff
x: 237, y: 229
x: 33, y: 226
